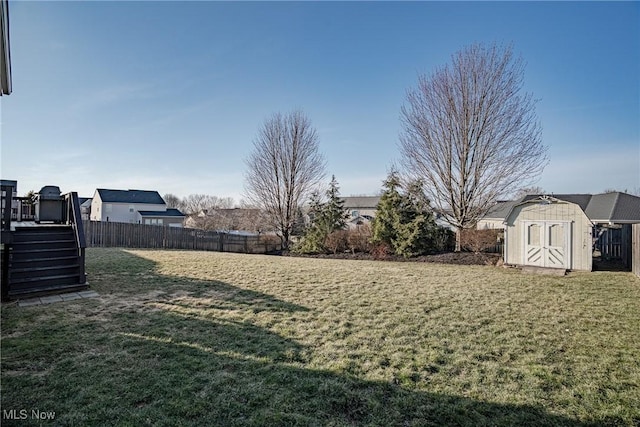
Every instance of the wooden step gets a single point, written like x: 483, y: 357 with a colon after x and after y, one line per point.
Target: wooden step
x: 39, y: 272
x: 47, y: 290
x: 44, y: 244
x: 31, y: 282
x: 33, y: 254
x: 43, y: 262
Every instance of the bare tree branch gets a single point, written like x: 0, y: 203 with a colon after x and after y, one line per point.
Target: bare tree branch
x: 283, y: 169
x: 471, y: 134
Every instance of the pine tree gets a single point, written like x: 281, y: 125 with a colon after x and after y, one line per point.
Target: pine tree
x: 333, y: 214
x: 405, y: 221
x: 388, y: 212
x: 326, y: 217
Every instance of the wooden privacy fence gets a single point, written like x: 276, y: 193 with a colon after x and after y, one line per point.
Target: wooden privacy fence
x: 635, y: 249
x: 123, y: 235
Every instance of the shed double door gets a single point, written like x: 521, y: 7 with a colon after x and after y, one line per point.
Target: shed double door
x: 546, y: 243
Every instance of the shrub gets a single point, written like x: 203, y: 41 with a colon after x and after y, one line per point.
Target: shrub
x: 381, y: 251
x: 271, y: 242
x: 311, y: 243
x: 336, y: 241
x: 444, y: 240
x: 359, y: 239
x: 478, y: 240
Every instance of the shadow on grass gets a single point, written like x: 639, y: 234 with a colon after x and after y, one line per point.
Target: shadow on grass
x: 179, y: 365
x: 230, y: 374
x: 122, y: 272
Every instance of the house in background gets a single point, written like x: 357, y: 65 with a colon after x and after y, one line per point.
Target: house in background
x: 134, y: 207
x: 85, y: 208
x: 361, y: 209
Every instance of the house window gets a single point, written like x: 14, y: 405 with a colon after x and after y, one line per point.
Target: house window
x: 160, y: 221
x: 131, y: 208
x: 108, y: 208
x: 147, y: 221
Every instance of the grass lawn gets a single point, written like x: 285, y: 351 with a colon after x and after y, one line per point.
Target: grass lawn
x: 195, y: 338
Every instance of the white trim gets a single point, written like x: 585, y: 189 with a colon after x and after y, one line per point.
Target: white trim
x: 545, y: 225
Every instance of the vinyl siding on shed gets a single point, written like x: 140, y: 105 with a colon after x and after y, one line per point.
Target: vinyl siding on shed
x: 580, y: 249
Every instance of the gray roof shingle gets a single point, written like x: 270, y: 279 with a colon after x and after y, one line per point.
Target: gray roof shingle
x: 130, y: 196
x: 169, y: 212
x: 501, y: 209
x: 605, y: 207
x: 367, y: 202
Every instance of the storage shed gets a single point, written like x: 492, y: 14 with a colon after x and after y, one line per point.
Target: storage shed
x: 548, y: 232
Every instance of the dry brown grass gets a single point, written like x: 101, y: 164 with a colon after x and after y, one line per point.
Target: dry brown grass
x: 320, y: 341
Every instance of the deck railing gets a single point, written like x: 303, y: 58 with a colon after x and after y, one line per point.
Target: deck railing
x: 73, y: 217
x: 6, y: 202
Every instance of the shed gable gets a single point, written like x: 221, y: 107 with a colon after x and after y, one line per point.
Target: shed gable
x: 546, y: 212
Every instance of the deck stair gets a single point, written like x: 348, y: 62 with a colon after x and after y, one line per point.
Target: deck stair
x: 45, y: 259
x: 45, y: 256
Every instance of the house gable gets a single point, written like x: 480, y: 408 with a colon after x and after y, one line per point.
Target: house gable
x: 124, y: 205
x: 361, y: 206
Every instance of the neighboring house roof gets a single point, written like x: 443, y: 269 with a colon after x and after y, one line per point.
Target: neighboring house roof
x: 501, y: 209
x: 130, y: 196
x: 171, y: 212
x: 614, y: 207
x: 362, y: 202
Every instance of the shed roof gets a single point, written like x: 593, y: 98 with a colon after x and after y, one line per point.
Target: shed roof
x: 614, y: 207
x: 130, y: 196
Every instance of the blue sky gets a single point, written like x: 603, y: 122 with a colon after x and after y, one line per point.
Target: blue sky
x: 169, y: 96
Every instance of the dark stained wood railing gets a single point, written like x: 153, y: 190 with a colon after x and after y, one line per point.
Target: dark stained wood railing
x: 6, y: 196
x: 7, y: 200
x: 74, y: 218
x: 635, y: 249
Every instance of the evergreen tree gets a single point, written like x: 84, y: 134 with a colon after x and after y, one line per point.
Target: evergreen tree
x: 405, y: 221
x: 388, y: 212
x: 333, y: 216
x: 313, y: 238
x: 325, y: 218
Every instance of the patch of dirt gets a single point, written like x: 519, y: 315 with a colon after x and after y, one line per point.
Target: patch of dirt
x: 459, y: 258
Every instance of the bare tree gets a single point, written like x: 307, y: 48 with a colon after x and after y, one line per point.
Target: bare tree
x: 528, y: 190
x: 172, y: 201
x: 283, y: 169
x: 471, y: 134
x: 196, y: 203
